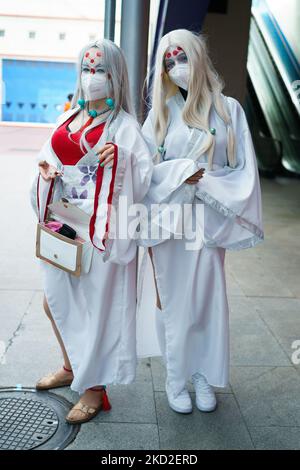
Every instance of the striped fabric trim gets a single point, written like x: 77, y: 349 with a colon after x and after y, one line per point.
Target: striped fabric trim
x: 40, y: 197
x: 100, y: 220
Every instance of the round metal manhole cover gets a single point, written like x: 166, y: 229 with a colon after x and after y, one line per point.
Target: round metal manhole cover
x: 34, y: 420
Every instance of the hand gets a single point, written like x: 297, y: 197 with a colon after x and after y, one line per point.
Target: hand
x: 47, y: 171
x: 106, y: 155
x: 195, y: 177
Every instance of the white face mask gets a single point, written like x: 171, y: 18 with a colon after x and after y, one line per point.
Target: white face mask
x: 94, y: 86
x: 179, y: 75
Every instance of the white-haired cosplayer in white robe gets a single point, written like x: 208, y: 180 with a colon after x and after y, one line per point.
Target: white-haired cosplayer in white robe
x: 191, y: 282
x: 96, y: 312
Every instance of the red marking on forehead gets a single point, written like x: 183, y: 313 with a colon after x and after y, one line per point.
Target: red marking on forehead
x: 99, y: 54
x: 173, y: 51
x: 93, y: 71
x: 92, y: 61
x: 87, y: 54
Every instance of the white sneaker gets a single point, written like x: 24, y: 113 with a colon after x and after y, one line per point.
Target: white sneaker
x: 205, y: 395
x: 182, y: 403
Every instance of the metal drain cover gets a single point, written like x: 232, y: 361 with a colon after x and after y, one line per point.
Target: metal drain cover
x: 30, y: 419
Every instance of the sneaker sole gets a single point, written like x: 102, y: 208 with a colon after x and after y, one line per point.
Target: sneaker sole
x: 180, y: 410
x: 206, y: 410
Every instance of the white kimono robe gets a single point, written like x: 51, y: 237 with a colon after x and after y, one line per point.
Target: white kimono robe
x: 96, y: 312
x: 191, y: 282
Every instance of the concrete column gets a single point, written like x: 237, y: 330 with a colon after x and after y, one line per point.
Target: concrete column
x: 110, y: 19
x: 134, y: 42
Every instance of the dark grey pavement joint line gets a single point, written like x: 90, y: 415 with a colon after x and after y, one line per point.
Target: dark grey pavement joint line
x: 17, y: 331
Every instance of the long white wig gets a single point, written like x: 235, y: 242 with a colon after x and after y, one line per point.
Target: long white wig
x: 118, y: 84
x: 204, y: 91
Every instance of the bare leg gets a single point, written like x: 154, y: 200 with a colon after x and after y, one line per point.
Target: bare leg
x: 67, y: 363
x: 89, y: 397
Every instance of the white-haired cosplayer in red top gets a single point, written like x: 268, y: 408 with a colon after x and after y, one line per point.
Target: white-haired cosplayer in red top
x: 95, y: 157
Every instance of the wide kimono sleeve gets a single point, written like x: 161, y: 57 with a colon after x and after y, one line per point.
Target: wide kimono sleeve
x: 167, y: 175
x: 232, y: 196
x: 134, y: 151
x: 166, y: 193
x: 133, y: 177
x: 43, y: 192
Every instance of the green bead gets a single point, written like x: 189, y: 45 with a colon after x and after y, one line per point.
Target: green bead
x: 81, y: 103
x: 102, y: 164
x: 93, y: 113
x: 212, y: 130
x: 110, y: 102
x: 160, y: 149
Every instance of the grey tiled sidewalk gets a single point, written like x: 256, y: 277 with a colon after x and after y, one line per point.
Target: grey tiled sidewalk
x: 260, y: 409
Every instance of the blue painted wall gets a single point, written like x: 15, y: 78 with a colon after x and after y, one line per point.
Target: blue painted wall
x: 36, y: 90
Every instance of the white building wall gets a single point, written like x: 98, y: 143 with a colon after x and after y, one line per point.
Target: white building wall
x: 46, y: 43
